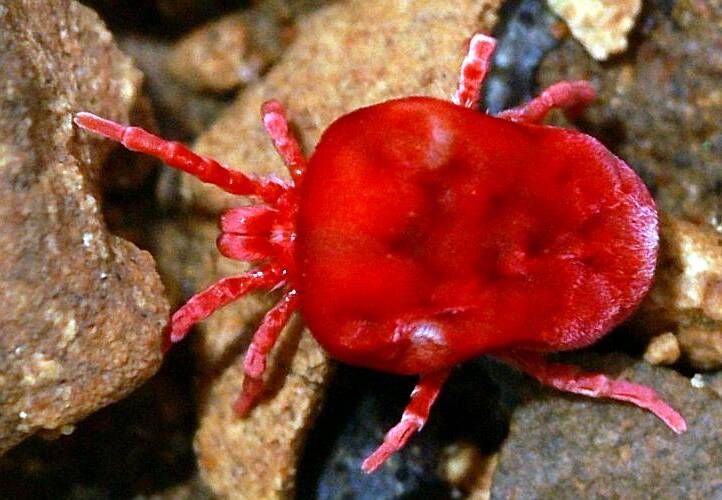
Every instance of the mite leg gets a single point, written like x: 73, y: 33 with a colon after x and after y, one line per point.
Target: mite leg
x: 412, y: 420
x: 572, y: 97
x: 245, y: 247
x: 572, y: 379
x: 178, y: 156
x: 225, y: 291
x: 473, y: 70
x: 254, y: 363
x: 276, y: 124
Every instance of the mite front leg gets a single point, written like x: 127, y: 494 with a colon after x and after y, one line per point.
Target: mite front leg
x: 286, y: 144
x: 572, y: 97
x: 178, y: 156
x: 254, y: 364
x: 412, y: 420
x: 225, y: 291
x: 570, y: 378
x: 473, y: 71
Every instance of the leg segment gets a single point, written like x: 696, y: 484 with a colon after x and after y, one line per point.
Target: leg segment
x: 178, y: 156
x: 473, y: 70
x: 276, y: 123
x: 254, y: 364
x: 245, y: 247
x: 572, y: 379
x: 248, y: 220
x: 572, y: 97
x: 412, y: 420
x: 203, y: 304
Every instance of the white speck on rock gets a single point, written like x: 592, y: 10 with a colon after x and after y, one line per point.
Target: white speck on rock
x: 697, y: 381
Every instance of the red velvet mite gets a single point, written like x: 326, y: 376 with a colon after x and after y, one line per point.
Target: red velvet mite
x: 422, y: 233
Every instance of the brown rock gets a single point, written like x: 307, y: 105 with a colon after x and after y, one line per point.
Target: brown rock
x: 82, y: 312
x: 467, y: 469
x: 178, y: 109
x: 567, y: 446
x: 703, y: 346
x: 663, y: 349
x: 659, y: 105
x: 685, y: 297
x: 601, y: 26
x: 345, y: 56
x: 226, y: 53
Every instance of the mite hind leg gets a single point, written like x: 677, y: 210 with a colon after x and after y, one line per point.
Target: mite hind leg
x: 570, y: 378
x: 572, y: 97
x: 412, y: 420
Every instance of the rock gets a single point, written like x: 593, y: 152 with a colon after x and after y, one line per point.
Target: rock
x: 345, y: 56
x: 82, y: 310
x: 528, y: 32
x: 468, y: 470
x: 567, y: 446
x: 703, y: 346
x: 659, y: 106
x: 130, y: 449
x: 467, y: 424
x: 227, y: 53
x: 663, y: 350
x: 686, y: 297
x: 181, y: 113
x: 601, y: 26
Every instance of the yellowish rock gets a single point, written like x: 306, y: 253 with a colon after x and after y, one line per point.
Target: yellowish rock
x: 663, y: 350
x: 686, y: 297
x: 602, y: 26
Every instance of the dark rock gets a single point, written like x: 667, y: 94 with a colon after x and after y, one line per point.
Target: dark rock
x: 568, y: 446
x: 528, y: 31
x: 82, y: 310
x: 362, y: 406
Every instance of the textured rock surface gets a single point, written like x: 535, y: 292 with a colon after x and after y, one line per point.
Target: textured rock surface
x: 82, y: 312
x: 564, y: 446
x: 345, y: 56
x: 226, y: 53
x: 181, y: 113
x: 659, y: 105
x: 686, y: 297
x: 602, y: 26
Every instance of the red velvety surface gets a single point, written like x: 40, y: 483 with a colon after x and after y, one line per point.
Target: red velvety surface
x: 429, y: 233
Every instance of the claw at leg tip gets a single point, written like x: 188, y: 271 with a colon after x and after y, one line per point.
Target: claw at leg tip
x: 375, y: 460
x: 242, y: 405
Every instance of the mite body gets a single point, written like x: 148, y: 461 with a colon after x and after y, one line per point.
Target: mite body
x: 422, y: 233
